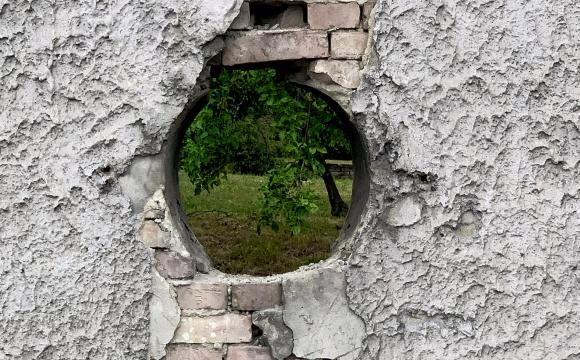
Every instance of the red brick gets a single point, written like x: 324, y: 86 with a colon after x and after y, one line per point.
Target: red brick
x: 202, y: 296
x: 348, y: 44
x: 174, y: 266
x: 244, y: 47
x: 337, y: 15
x: 256, y: 296
x: 188, y: 352
x: 248, y: 352
x: 227, y: 328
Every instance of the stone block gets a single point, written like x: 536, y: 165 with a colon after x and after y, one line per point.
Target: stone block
x: 164, y: 316
x: 366, y: 13
x: 248, y: 352
x: 174, y: 266
x: 256, y: 296
x: 275, y: 333
x: 317, y: 311
x: 153, y: 236
x: 292, y: 17
x: 348, y: 44
x: 345, y: 73
x: 227, y: 328
x: 245, y: 47
x: 202, y: 296
x: 325, y: 16
x: 243, y: 20
x: 189, y: 352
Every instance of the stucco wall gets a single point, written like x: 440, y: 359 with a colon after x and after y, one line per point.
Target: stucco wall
x: 469, y: 247
x: 471, y: 244
x: 85, y: 88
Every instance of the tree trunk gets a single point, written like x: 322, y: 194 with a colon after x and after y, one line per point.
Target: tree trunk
x: 337, y: 206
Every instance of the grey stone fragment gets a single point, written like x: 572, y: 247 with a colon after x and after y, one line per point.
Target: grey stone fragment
x: 345, y: 73
x: 276, y: 334
x: 366, y: 13
x: 174, y: 266
x: 404, y: 212
x: 256, y: 296
x: 243, y: 20
x: 317, y: 312
x: 164, y: 314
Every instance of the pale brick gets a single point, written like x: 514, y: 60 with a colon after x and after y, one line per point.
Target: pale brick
x: 337, y: 15
x: 256, y: 296
x: 243, y: 20
x: 227, y: 328
x: 345, y: 73
x: 366, y: 13
x: 262, y: 46
x: 174, y: 266
x: 348, y: 44
x: 188, y: 352
x: 248, y: 352
x: 152, y: 235
x: 202, y: 296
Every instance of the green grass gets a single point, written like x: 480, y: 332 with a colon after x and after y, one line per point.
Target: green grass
x: 224, y: 221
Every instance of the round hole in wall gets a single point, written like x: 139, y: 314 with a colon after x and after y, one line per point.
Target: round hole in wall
x: 267, y: 175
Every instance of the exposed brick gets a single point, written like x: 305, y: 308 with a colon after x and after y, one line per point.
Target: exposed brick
x: 248, y: 352
x: 348, y: 44
x: 202, y: 296
x: 337, y: 15
x: 243, y: 20
x: 261, y: 46
x: 345, y: 73
x: 227, y: 328
x: 187, y: 352
x: 256, y: 296
x: 174, y: 266
x: 366, y: 13
x: 152, y: 235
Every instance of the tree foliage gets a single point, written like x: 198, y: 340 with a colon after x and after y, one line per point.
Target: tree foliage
x: 256, y: 123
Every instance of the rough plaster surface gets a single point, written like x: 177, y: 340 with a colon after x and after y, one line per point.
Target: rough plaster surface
x: 471, y: 109
x: 317, y: 312
x: 85, y: 88
x: 471, y: 114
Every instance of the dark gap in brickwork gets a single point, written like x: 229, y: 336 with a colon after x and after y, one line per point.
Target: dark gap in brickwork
x: 278, y: 15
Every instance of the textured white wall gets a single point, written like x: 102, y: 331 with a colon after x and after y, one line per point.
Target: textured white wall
x: 469, y: 247
x: 485, y: 97
x: 85, y: 85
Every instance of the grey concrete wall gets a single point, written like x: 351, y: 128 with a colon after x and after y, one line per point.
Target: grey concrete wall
x: 471, y: 244
x: 85, y: 88
x: 469, y: 247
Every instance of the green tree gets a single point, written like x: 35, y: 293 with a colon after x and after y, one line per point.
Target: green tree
x: 254, y: 122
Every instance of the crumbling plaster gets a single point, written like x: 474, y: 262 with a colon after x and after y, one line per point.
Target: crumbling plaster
x: 472, y: 116
x: 470, y: 111
x: 86, y: 87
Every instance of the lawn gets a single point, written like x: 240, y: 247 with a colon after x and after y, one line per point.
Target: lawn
x: 224, y: 221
